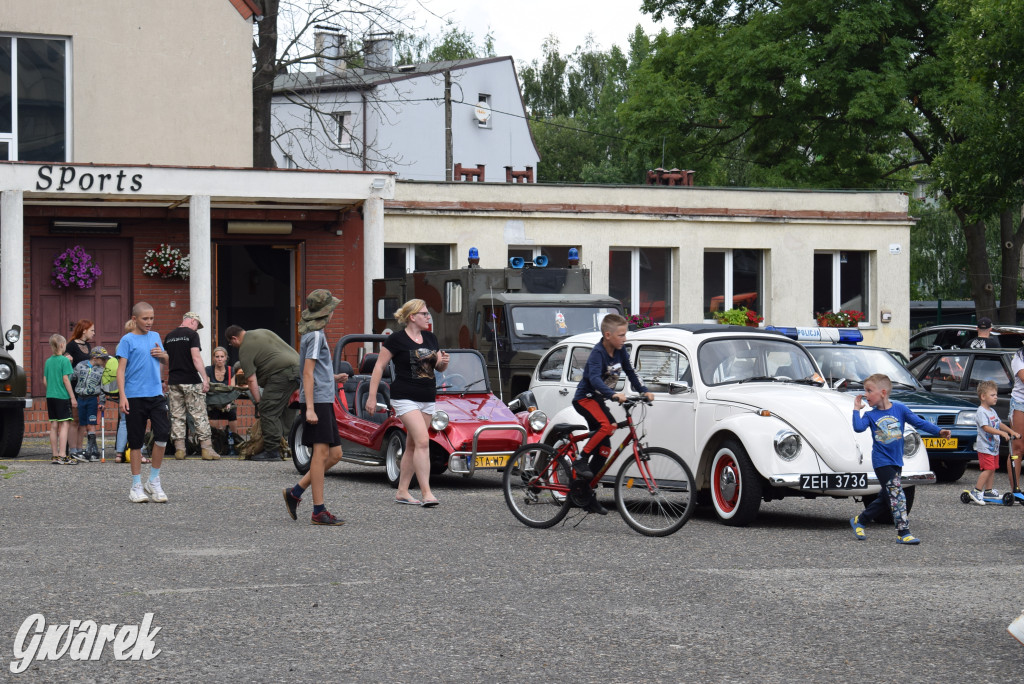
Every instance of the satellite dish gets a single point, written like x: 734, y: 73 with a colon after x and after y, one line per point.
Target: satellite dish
x: 482, y: 113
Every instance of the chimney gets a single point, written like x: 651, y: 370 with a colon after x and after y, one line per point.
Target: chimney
x: 379, y: 49
x: 330, y: 52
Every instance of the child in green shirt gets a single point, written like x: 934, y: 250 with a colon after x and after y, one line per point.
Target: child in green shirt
x: 59, y: 399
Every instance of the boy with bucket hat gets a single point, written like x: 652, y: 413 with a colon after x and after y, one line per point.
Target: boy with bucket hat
x: 316, y: 397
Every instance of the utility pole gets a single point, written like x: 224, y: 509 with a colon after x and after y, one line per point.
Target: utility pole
x: 448, y: 161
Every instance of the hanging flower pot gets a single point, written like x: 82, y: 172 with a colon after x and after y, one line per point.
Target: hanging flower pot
x: 165, y: 262
x: 74, y: 267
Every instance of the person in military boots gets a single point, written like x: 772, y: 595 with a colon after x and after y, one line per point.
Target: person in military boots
x: 270, y: 362
x: 187, y: 385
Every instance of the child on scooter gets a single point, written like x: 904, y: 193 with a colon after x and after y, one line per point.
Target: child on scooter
x: 990, y: 429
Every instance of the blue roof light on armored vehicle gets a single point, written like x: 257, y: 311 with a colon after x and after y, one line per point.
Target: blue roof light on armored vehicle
x: 836, y: 335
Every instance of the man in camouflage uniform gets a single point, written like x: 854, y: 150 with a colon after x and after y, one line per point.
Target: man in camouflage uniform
x: 187, y: 385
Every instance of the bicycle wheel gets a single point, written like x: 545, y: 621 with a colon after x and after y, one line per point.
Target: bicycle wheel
x: 657, y: 495
x: 536, y: 482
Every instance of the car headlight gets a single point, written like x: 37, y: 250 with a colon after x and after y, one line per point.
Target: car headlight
x: 911, y: 443
x: 5, y: 371
x: 439, y: 421
x: 538, y: 420
x: 787, y: 444
x: 13, y: 335
x: 966, y: 418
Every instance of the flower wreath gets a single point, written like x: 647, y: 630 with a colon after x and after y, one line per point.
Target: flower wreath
x: 74, y: 267
x: 166, y: 262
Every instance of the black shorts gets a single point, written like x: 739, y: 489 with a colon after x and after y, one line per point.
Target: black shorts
x: 217, y: 413
x: 326, y: 429
x: 58, y: 409
x: 141, y: 410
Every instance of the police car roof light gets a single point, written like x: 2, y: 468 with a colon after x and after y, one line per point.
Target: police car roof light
x: 836, y: 335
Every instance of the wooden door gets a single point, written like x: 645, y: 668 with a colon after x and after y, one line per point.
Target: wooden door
x: 56, y: 310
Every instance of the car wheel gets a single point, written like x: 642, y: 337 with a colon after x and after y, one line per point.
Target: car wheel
x: 886, y: 516
x: 735, y: 485
x: 301, y: 454
x: 12, y: 431
x: 393, y: 456
x: 948, y: 471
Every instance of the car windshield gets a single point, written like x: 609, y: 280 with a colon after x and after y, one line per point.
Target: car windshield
x: 555, y: 322
x: 855, y: 364
x: 754, y: 359
x: 465, y: 373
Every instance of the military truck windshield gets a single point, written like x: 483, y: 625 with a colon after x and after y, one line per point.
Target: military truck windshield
x: 553, y: 322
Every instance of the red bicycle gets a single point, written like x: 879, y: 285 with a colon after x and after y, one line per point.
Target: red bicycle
x: 654, y: 489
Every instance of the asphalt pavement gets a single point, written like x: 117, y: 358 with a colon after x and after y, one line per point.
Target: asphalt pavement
x: 465, y: 593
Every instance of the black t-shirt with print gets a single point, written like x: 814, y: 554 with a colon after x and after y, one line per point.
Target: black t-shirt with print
x: 414, y: 366
x: 181, y: 369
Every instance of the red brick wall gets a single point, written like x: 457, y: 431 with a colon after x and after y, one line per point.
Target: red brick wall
x: 325, y: 260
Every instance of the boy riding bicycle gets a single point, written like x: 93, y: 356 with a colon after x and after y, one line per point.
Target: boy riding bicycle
x: 606, y: 361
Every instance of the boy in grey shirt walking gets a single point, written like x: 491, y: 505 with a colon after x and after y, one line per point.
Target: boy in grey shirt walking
x: 316, y: 392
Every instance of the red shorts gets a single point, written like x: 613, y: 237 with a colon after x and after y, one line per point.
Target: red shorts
x: 988, y: 461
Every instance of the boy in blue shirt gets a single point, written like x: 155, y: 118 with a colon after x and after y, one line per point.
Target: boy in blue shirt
x: 607, y: 359
x: 887, y: 419
x: 140, y: 354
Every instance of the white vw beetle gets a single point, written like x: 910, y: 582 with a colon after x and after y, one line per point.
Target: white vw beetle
x: 746, y: 408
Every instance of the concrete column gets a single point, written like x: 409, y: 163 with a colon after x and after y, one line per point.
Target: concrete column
x: 373, y: 253
x: 12, y: 267
x: 200, y: 279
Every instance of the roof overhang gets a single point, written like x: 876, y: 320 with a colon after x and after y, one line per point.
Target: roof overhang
x: 172, y: 186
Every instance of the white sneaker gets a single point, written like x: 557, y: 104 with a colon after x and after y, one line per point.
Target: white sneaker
x: 155, y: 491
x: 976, y: 497
x: 994, y: 493
x: 1016, y: 628
x: 137, y: 495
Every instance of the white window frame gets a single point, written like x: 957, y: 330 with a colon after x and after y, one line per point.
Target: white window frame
x: 727, y: 289
x: 344, y: 133
x: 485, y: 99
x: 837, y: 283
x: 634, y: 277
x: 12, y: 137
x: 410, y: 254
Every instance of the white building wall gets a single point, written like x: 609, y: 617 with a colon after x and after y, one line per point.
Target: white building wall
x: 152, y: 82
x: 787, y: 225
x: 405, y: 127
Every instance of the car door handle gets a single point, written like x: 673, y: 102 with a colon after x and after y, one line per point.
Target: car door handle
x: 563, y: 391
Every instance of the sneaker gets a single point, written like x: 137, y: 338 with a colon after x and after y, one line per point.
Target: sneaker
x: 94, y: 458
x: 325, y: 518
x: 137, y: 495
x: 292, y: 503
x: 977, y: 497
x: 582, y: 469
x: 594, y: 506
x: 907, y: 538
x: 155, y: 491
x: 858, y: 529
x: 994, y: 493
x: 79, y: 455
x: 1016, y: 628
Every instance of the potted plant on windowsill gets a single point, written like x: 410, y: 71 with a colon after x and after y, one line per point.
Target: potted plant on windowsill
x: 739, y: 316
x: 640, y: 321
x: 844, y: 318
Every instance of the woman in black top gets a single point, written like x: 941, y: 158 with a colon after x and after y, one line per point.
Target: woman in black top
x: 417, y: 355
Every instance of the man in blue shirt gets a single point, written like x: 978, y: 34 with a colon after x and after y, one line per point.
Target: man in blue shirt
x: 140, y: 354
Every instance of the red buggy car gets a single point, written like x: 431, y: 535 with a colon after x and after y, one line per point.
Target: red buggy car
x: 471, y: 430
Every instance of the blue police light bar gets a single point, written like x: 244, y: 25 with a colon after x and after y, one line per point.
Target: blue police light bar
x: 840, y: 335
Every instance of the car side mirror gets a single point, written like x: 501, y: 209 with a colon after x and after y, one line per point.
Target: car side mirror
x: 839, y: 382
x: 927, y: 384
x: 679, y: 387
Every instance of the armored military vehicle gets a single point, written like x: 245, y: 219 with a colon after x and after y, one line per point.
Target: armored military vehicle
x: 511, y: 315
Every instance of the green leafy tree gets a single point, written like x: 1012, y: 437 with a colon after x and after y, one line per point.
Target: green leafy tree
x: 858, y: 94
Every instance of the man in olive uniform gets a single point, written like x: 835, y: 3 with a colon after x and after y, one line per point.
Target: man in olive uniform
x: 269, y: 361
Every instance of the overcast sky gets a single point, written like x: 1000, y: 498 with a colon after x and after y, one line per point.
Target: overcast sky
x: 520, y: 26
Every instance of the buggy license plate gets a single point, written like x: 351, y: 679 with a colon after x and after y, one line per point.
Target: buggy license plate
x: 834, y: 481
x: 939, y: 442
x: 496, y: 461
